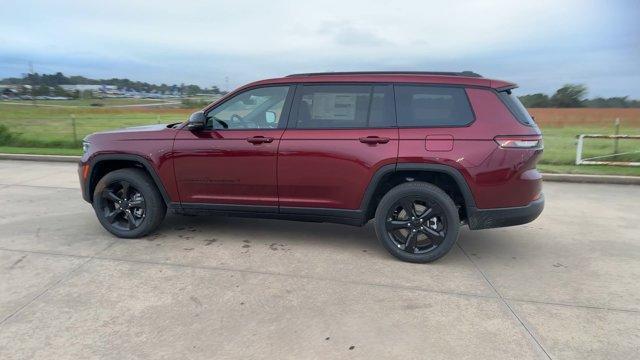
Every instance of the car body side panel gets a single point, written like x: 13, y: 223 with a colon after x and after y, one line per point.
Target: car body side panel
x: 497, y: 177
x: 222, y: 167
x: 153, y: 143
x: 327, y: 168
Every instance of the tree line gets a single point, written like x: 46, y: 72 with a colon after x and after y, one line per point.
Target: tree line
x: 573, y: 96
x: 568, y: 96
x: 50, y: 83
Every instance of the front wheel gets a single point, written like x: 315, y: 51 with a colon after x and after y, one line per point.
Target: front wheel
x: 128, y: 204
x: 417, y: 222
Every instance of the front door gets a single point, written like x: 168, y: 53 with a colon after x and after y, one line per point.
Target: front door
x: 233, y: 160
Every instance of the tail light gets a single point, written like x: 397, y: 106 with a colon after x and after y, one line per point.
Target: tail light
x: 519, y: 142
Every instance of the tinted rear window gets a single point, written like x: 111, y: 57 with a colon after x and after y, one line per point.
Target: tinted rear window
x: 425, y: 106
x: 345, y: 106
x: 517, y: 109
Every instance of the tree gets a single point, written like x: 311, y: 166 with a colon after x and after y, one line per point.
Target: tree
x: 58, y: 91
x: 538, y: 100
x: 612, y: 102
x: 569, y: 96
x: 42, y: 90
x: 86, y: 94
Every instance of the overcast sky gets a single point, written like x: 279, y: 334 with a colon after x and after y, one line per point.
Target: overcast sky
x: 538, y: 44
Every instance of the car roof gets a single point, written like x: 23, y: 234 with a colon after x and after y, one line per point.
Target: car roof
x: 465, y: 78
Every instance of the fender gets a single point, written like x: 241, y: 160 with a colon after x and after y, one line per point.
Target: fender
x: 86, y: 193
x: 469, y: 201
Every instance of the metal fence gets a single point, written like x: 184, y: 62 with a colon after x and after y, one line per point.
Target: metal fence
x: 597, y: 160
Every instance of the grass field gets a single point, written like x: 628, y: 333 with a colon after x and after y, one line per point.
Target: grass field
x: 89, y: 102
x: 49, y: 129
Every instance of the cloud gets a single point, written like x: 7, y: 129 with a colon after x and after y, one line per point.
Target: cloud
x: 203, y: 41
x: 345, y: 34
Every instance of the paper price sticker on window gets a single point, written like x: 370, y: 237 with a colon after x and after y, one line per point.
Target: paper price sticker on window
x: 334, y: 106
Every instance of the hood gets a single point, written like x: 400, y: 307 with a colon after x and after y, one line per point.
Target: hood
x: 156, y: 131
x: 144, y: 128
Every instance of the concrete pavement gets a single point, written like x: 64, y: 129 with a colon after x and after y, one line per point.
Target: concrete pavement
x: 562, y: 287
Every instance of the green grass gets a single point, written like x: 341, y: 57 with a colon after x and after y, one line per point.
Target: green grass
x: 49, y: 130
x: 89, y: 102
x: 35, y: 126
x: 560, y: 144
x: 590, y: 169
x: 39, y: 151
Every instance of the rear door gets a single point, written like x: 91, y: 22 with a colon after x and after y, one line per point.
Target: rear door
x: 337, y: 137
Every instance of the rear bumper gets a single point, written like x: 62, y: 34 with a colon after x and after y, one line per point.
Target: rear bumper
x: 501, y: 217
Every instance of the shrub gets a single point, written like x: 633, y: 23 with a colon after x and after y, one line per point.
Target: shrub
x: 5, y: 135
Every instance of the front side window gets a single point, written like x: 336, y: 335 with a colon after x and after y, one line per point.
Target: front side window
x: 259, y: 108
x: 426, y: 106
x: 345, y: 106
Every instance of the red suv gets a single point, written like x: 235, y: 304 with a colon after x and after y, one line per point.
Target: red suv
x: 421, y: 153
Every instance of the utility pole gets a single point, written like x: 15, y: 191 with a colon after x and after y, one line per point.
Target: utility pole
x: 226, y: 83
x: 616, y: 126
x: 33, y: 98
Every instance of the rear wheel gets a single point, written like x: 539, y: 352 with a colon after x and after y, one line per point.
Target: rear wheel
x: 128, y: 204
x: 417, y: 222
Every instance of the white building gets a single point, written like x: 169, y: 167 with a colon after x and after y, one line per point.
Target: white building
x: 103, y: 88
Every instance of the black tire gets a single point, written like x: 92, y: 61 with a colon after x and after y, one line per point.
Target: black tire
x: 435, y: 222
x: 140, y: 193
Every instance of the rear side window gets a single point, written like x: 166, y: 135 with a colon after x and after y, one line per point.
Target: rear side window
x: 345, y: 106
x: 517, y: 109
x: 425, y: 106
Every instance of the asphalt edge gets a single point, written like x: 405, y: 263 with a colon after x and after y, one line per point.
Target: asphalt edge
x: 569, y: 178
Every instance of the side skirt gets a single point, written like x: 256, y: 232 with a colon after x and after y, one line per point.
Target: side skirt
x: 337, y: 216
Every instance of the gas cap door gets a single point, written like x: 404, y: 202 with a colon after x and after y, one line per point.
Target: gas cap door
x: 440, y: 142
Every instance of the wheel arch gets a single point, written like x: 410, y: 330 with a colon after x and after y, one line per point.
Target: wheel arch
x: 101, y: 165
x: 440, y: 175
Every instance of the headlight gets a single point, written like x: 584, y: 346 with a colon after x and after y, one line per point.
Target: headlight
x: 85, y: 146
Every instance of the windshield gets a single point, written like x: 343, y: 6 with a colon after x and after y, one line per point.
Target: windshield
x: 517, y: 109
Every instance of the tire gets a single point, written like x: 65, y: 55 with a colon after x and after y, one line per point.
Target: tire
x: 141, y: 193
x: 424, y: 210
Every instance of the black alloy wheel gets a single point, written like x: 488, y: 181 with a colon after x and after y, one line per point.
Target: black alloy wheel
x: 124, y: 206
x: 417, y: 222
x: 128, y: 203
x: 416, y: 225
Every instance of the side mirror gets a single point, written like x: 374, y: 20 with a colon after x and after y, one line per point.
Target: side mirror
x: 197, y: 121
x: 270, y: 117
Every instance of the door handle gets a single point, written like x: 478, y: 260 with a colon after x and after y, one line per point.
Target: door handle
x: 259, y: 140
x: 374, y: 140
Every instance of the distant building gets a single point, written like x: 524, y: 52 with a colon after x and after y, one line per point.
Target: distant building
x: 95, y: 88
x: 9, y: 91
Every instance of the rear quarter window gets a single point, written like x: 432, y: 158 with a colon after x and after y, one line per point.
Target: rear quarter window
x: 432, y: 106
x: 517, y: 109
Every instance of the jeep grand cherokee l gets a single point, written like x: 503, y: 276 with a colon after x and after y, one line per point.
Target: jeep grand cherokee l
x: 420, y: 153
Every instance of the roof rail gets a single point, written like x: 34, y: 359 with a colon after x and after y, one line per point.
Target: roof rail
x: 444, y: 73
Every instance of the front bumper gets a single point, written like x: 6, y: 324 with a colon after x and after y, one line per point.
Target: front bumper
x: 83, y: 172
x: 501, y: 217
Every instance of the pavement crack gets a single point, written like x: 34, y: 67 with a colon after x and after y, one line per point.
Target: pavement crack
x: 55, y: 283
x: 505, y: 302
x: 17, y: 261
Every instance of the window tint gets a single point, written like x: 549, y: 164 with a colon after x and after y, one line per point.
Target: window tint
x: 259, y: 108
x: 345, y: 106
x: 517, y: 109
x: 419, y: 105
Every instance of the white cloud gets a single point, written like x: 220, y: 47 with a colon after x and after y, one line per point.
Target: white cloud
x: 251, y: 39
